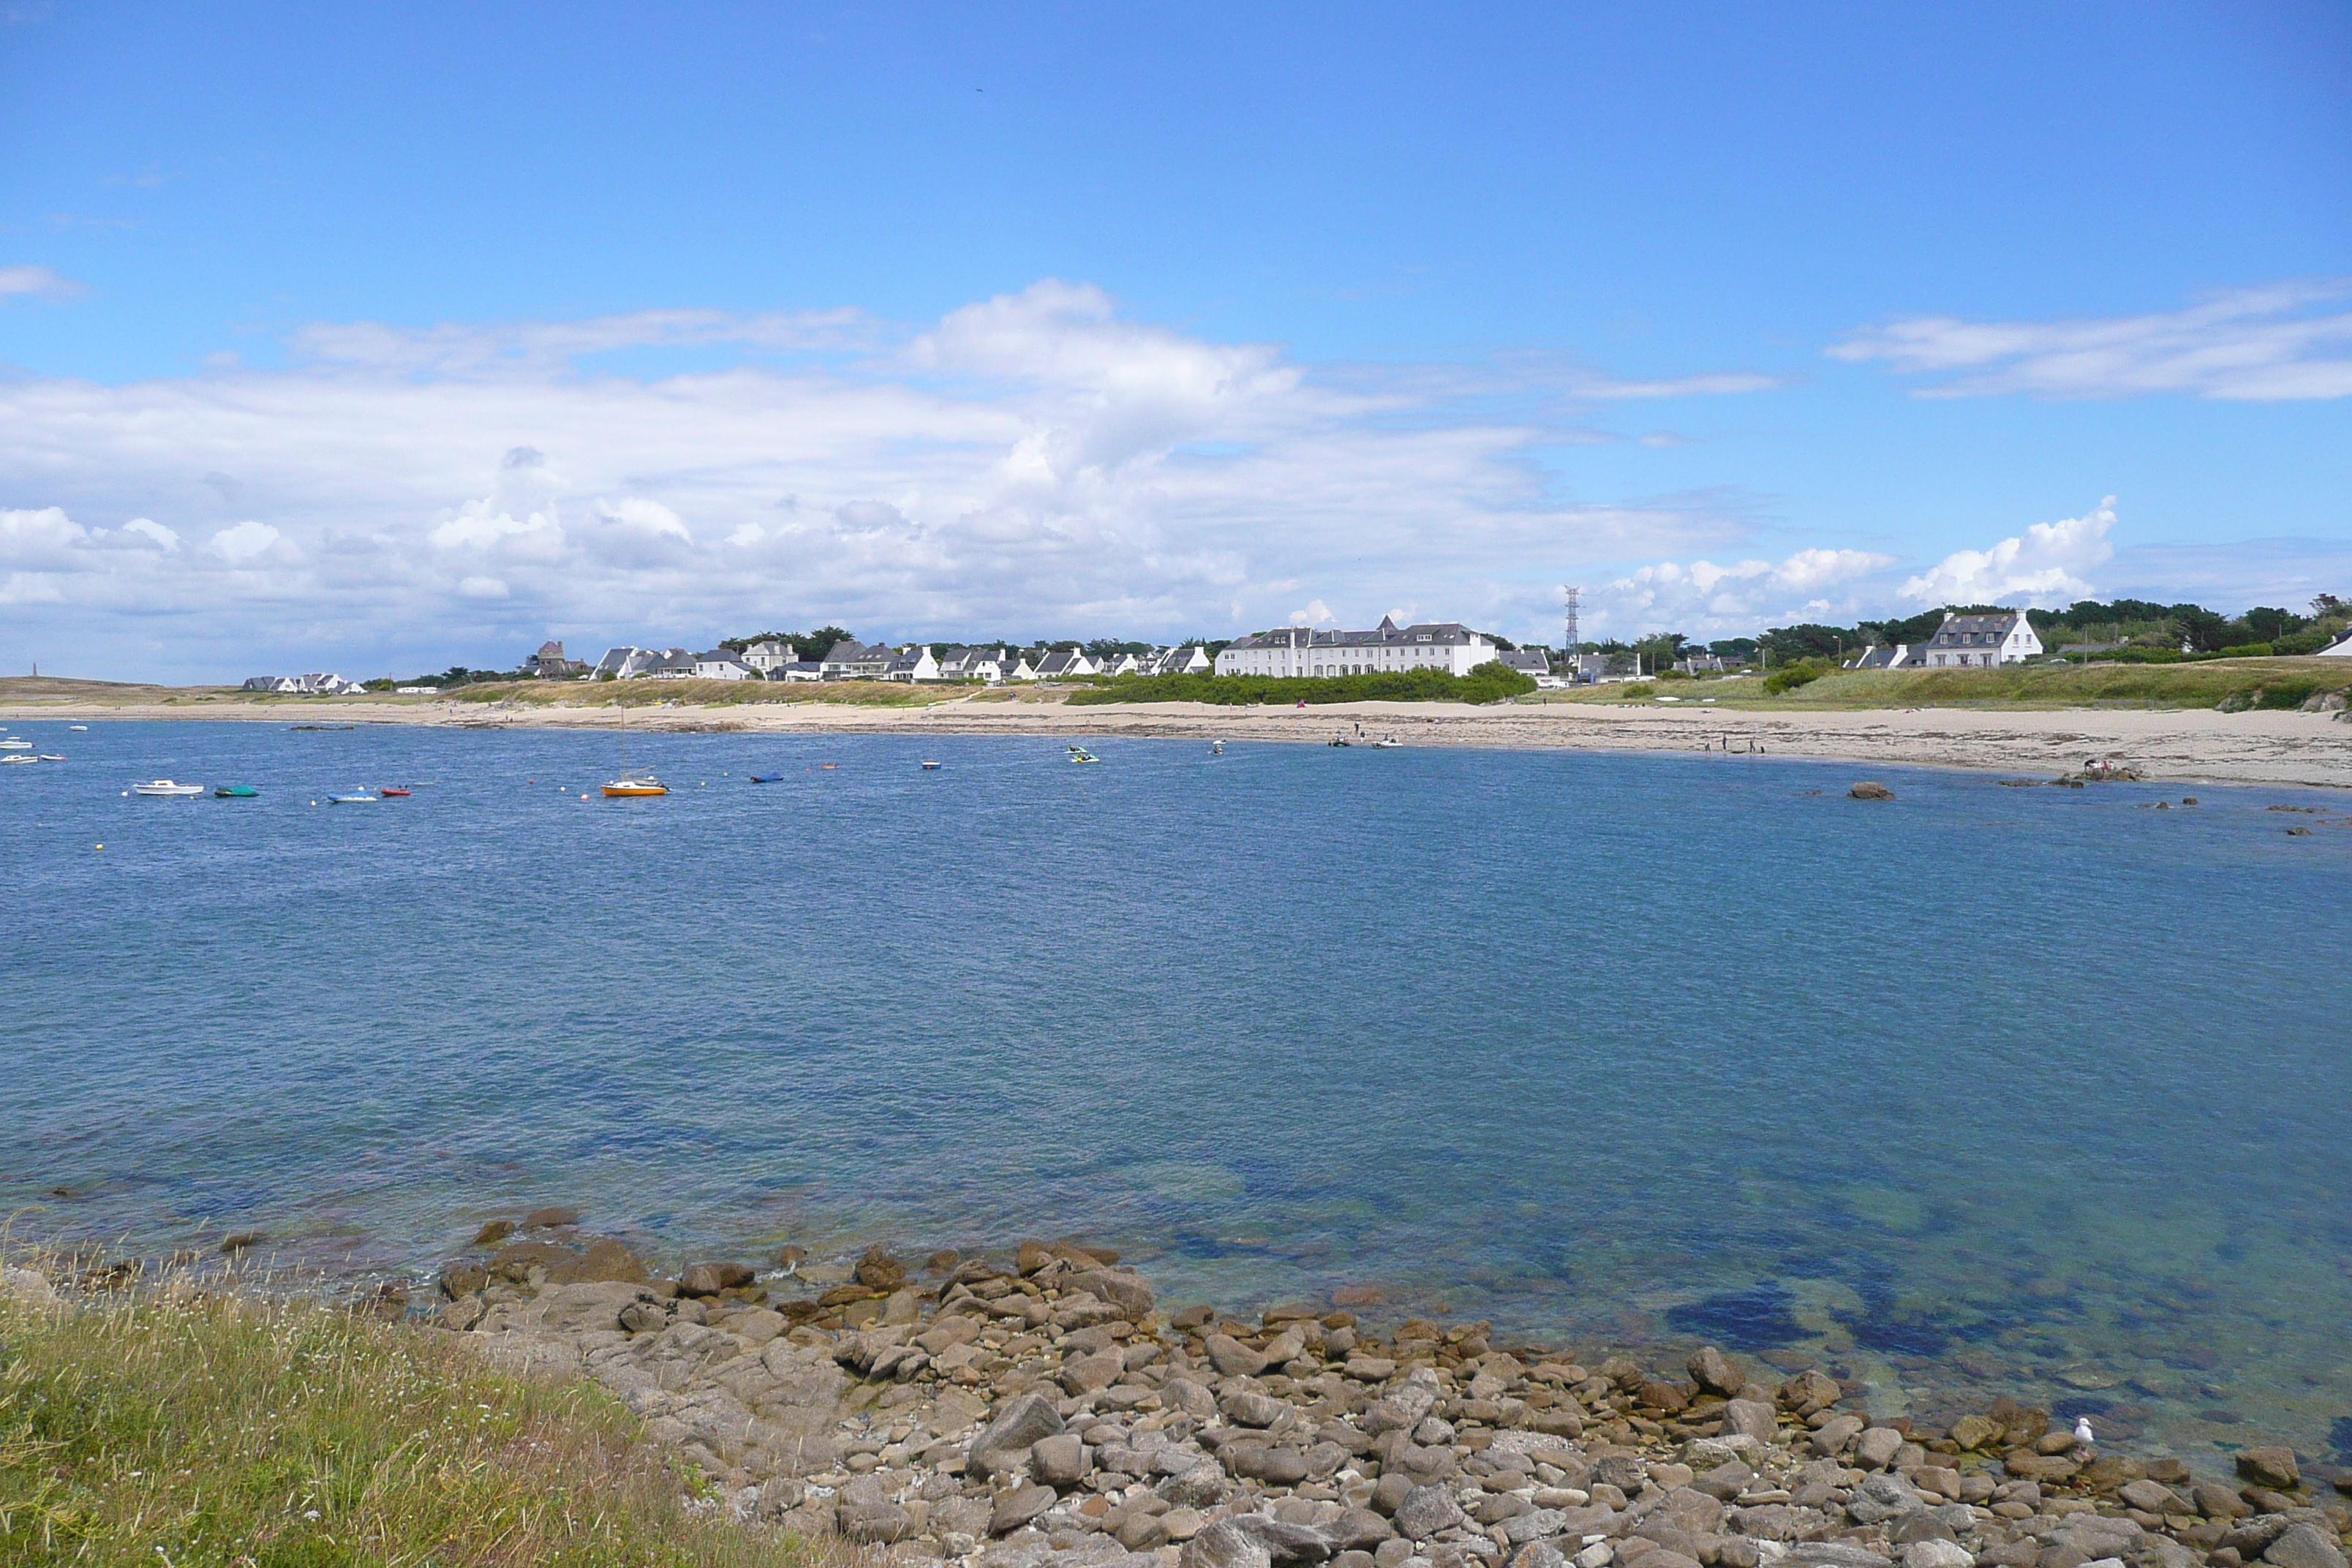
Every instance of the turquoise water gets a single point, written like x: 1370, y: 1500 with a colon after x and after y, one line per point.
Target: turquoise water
x: 1985, y: 1090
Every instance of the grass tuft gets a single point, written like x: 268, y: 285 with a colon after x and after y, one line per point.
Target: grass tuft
x: 179, y: 1426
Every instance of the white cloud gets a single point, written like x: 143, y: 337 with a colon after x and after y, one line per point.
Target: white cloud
x: 1713, y: 600
x: 2267, y: 344
x: 35, y: 282
x: 1030, y: 464
x: 2041, y: 566
x: 246, y: 541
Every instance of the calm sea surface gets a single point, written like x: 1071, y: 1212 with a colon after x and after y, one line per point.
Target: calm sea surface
x: 2023, y: 1090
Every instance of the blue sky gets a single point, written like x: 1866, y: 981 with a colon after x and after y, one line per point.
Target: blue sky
x: 381, y: 339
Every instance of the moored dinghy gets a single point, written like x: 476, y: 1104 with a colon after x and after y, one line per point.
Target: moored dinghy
x: 235, y: 792
x: 164, y: 789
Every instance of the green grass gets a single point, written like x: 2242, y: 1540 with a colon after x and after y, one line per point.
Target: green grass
x: 1487, y: 683
x: 181, y: 1427
x: 2253, y: 683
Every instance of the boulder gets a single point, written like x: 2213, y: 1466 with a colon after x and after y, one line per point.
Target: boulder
x: 494, y: 1232
x: 1973, y: 1431
x: 1003, y: 1442
x: 2303, y: 1546
x: 1060, y: 1460
x: 607, y: 1260
x: 1869, y: 791
x: 1714, y: 1372
x: 1234, y: 1359
x: 877, y: 1270
x: 1018, y: 1507
x: 1249, y: 1407
x: 2272, y: 1467
x: 1284, y: 1541
x: 551, y: 1217
x: 1831, y: 1438
x: 463, y: 1279
x: 1875, y: 1449
x: 1425, y: 1510
x: 709, y: 1278
x: 1084, y: 1375
x: 1121, y: 1288
x: 1749, y: 1419
x: 1223, y: 1543
x: 1936, y: 1554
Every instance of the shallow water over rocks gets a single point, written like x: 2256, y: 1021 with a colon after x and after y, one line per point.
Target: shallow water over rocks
x: 1979, y: 1090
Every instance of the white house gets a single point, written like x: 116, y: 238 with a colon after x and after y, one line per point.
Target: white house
x: 272, y: 683
x: 769, y: 656
x: 1532, y: 662
x: 913, y: 662
x: 721, y: 664
x: 1067, y: 662
x: 1972, y: 641
x: 852, y: 660
x: 2342, y: 648
x: 1298, y: 651
x: 1190, y: 659
x: 1121, y: 664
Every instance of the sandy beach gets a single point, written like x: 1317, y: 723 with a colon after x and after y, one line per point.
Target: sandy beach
x: 2184, y: 745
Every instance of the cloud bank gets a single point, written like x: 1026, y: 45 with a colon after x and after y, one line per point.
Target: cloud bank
x: 1031, y: 464
x: 2269, y: 344
x: 2044, y: 565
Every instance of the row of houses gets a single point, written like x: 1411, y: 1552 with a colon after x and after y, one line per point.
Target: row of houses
x: 312, y: 685
x: 774, y: 660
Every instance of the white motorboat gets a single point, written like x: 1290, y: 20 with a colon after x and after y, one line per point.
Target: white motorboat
x: 6, y: 762
x: 14, y: 744
x: 166, y: 789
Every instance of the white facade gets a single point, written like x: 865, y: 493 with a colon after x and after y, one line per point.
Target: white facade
x: 912, y: 663
x: 1298, y: 651
x: 764, y: 657
x: 2340, y: 650
x: 721, y: 664
x: 1981, y: 641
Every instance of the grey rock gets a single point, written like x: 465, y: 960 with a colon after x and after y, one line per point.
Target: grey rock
x: 1391, y: 1490
x: 1537, y: 1524
x: 1831, y: 1554
x: 1386, y: 1415
x: 2150, y: 1496
x: 1875, y: 1449
x: 1537, y: 1555
x: 2303, y: 1546
x: 1001, y: 1444
x: 1749, y: 1419
x: 1086, y: 1373
x: 1833, y: 1435
x: 1060, y: 1460
x: 1716, y: 1372
x: 1726, y: 1483
x: 1183, y: 1394
x: 1018, y: 1507
x: 1688, y: 1510
x: 1425, y: 1510
x: 1250, y: 1407
x: 1224, y: 1544
x: 2271, y: 1468
x: 1203, y: 1486
x: 1234, y: 1359
x: 1282, y: 1467
x: 1359, y: 1529
x: 1284, y: 1541
x: 1936, y: 1554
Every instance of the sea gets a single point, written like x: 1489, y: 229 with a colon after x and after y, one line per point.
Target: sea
x: 1985, y: 1090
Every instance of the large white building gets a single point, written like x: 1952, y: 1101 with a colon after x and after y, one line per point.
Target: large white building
x: 1296, y: 651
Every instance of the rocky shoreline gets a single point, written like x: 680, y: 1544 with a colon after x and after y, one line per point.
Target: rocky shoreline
x: 1046, y: 1409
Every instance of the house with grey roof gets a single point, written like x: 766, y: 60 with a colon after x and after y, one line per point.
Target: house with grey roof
x: 549, y: 664
x: 770, y: 654
x: 1533, y: 662
x: 723, y: 664
x: 1964, y: 642
x: 850, y: 659
x: 913, y: 662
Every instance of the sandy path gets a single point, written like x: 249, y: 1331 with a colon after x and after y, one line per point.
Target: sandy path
x: 2191, y: 745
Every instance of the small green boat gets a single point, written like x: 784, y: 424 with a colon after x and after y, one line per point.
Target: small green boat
x: 235, y: 792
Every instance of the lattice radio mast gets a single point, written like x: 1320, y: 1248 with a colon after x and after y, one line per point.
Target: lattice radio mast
x: 1574, y: 593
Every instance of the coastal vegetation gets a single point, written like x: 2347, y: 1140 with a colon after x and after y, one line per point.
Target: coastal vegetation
x: 1490, y: 682
x: 2230, y: 684
x: 183, y: 1426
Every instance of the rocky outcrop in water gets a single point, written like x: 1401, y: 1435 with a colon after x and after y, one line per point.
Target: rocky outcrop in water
x: 1046, y: 1412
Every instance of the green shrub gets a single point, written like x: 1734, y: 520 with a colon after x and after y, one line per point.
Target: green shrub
x: 1490, y: 682
x: 1790, y: 676
x: 2246, y: 650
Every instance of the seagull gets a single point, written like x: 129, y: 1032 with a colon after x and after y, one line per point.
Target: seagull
x: 2082, y: 1431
